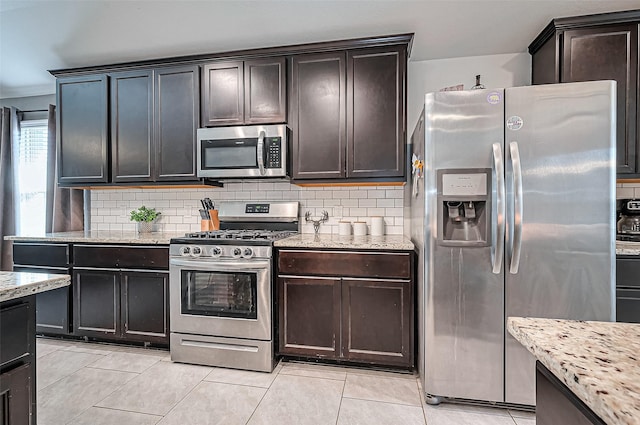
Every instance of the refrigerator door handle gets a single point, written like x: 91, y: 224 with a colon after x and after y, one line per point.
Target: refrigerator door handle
x: 517, y: 208
x: 497, y: 245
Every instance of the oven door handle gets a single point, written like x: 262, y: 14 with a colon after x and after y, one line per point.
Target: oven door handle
x: 220, y: 265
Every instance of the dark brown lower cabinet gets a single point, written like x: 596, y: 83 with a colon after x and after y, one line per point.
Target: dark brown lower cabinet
x: 53, y: 308
x: 144, y: 306
x: 556, y: 404
x: 310, y: 316
x: 376, y: 321
x: 122, y: 305
x: 16, y: 391
x: 357, y: 311
x: 17, y: 362
x: 97, y: 303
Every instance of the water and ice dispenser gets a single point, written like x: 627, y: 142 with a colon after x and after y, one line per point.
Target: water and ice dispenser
x: 464, y: 204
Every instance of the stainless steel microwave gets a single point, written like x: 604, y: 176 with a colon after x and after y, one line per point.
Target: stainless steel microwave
x: 256, y: 151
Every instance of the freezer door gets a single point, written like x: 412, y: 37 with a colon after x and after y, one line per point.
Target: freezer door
x: 464, y: 311
x: 560, y: 260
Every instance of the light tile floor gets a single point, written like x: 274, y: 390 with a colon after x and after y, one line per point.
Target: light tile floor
x: 99, y: 384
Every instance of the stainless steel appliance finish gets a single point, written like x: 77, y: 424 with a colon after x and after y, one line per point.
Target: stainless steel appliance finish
x: 549, y: 250
x: 221, y: 287
x: 258, y: 151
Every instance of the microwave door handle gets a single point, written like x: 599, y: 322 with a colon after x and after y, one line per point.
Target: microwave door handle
x: 260, y: 152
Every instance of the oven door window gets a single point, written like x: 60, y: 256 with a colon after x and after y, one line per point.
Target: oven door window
x: 222, y: 154
x: 220, y: 294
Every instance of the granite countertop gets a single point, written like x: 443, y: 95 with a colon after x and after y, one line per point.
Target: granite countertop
x: 597, y: 361
x: 312, y: 240
x: 627, y: 248
x: 19, y: 284
x: 102, y: 236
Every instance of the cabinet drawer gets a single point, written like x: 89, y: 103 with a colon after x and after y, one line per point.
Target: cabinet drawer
x: 15, y: 324
x: 341, y: 263
x: 37, y: 254
x: 628, y: 271
x: 628, y: 305
x: 122, y: 257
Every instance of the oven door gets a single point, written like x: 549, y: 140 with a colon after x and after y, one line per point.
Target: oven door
x: 221, y: 298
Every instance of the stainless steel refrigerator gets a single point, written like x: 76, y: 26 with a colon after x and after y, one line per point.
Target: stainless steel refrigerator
x: 512, y: 212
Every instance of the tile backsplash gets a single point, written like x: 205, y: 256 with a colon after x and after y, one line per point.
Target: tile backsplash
x: 627, y: 190
x: 179, y: 207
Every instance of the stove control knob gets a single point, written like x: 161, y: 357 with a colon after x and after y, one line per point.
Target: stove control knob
x: 247, y: 253
x: 237, y: 252
x: 216, y: 251
x: 185, y: 251
x: 196, y: 251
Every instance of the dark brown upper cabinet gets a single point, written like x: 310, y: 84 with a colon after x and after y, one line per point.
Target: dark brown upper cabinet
x: 154, y: 118
x: 244, y: 92
x: 597, y: 47
x: 347, y: 114
x: 132, y: 147
x: 177, y: 118
x: 136, y: 122
x: 83, y: 129
x: 375, y: 112
x: 318, y: 116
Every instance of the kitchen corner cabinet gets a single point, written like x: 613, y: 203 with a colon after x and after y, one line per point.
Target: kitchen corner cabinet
x: 83, y: 133
x: 121, y: 293
x: 347, y: 114
x: 53, y: 308
x: 244, y: 92
x: 346, y: 306
x: 597, y: 47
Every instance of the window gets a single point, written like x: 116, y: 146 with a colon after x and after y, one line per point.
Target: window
x: 31, y: 177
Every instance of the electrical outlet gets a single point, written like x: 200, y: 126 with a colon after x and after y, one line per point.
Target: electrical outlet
x: 337, y: 211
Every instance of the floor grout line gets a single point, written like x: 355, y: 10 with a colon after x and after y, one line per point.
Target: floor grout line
x: 279, y: 370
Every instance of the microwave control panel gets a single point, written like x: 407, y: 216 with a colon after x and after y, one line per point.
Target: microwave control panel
x: 274, y: 158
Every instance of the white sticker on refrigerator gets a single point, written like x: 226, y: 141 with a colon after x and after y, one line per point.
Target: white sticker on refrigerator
x: 494, y: 98
x: 514, y: 123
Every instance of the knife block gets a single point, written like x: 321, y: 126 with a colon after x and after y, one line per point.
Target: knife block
x: 205, y: 225
x: 215, y: 221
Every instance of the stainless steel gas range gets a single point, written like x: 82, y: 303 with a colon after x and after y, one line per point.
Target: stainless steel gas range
x: 221, y: 287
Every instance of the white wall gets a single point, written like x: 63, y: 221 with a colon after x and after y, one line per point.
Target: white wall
x: 179, y: 207
x: 508, y: 70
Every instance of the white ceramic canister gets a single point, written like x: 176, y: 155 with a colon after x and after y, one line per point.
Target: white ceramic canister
x: 377, y: 226
x: 344, y: 228
x: 359, y: 228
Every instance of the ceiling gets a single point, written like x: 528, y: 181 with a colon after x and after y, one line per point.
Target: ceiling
x: 37, y: 35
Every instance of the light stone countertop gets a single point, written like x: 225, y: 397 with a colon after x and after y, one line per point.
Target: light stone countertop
x: 312, y: 240
x: 102, y: 236
x: 20, y: 284
x: 627, y: 248
x: 597, y: 361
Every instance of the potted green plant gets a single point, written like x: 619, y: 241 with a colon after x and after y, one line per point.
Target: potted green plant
x: 145, y: 217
